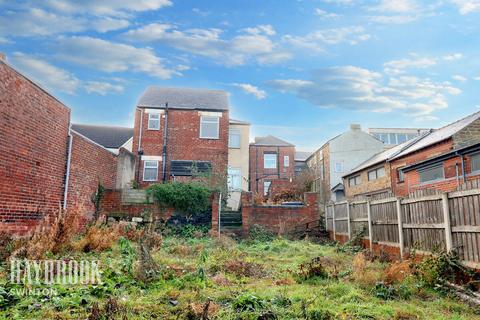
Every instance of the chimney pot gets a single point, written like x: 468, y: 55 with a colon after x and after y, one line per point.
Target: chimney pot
x: 355, y: 127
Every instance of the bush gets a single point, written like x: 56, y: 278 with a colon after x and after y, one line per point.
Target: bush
x: 260, y: 233
x: 187, y: 198
x: 248, y: 302
x: 312, y: 269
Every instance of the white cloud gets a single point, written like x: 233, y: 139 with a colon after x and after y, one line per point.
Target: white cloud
x: 106, y: 7
x: 355, y: 88
x: 467, y: 6
x: 477, y: 78
x: 459, y: 78
x: 253, y: 90
x: 396, y: 6
x: 109, y: 24
x: 393, y: 19
x: 112, y: 57
x: 102, y: 88
x: 400, y: 66
x: 251, y: 44
x: 453, y: 57
x: 324, y: 14
x: 49, y: 76
x: 317, y: 40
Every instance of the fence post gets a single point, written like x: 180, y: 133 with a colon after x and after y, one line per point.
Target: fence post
x: 400, y: 227
x: 446, y: 221
x: 370, y: 229
x: 348, y: 222
x: 333, y: 212
x: 326, y: 217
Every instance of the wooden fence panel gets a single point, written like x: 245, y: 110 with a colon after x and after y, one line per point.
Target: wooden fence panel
x: 329, y: 213
x: 423, y: 225
x: 341, y: 216
x: 385, y: 222
x: 465, y: 221
x: 359, y: 218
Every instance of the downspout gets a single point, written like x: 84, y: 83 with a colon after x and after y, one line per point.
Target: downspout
x: 256, y: 169
x: 278, y: 162
x: 165, y: 141
x: 463, y: 169
x: 67, y: 173
x: 139, y: 148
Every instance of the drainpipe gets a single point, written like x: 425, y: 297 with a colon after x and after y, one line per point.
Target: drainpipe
x: 67, y: 174
x: 463, y: 169
x: 139, y: 148
x: 278, y: 162
x: 165, y: 141
x: 456, y: 174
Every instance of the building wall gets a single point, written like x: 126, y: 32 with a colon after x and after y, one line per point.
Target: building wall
x: 351, y: 149
x: 33, y: 150
x: 90, y: 164
x: 319, y: 163
x: 467, y: 136
x: 238, y: 157
x: 184, y: 142
x: 366, y: 187
x: 258, y: 174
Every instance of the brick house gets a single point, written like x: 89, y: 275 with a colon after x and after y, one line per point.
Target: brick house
x: 271, y: 159
x: 179, y: 132
x: 238, y: 164
x: 441, y: 159
x: 44, y: 164
x: 338, y: 156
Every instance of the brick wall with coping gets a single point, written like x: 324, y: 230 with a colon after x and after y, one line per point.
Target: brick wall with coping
x: 184, y: 142
x: 90, y: 164
x: 275, y: 218
x: 33, y: 152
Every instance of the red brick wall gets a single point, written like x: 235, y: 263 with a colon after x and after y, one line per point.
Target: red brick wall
x: 89, y: 164
x: 184, y: 142
x: 33, y: 144
x: 411, y: 180
x: 258, y: 174
x: 278, y: 218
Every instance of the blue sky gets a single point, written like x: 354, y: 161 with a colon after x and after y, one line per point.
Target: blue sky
x: 300, y: 70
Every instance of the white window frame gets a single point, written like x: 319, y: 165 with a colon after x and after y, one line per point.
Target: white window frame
x: 234, y: 131
x: 286, y: 161
x: 209, y: 119
x: 150, y: 166
x: 230, y: 181
x: 150, y: 116
x: 341, y: 167
x: 265, y: 158
x: 265, y: 190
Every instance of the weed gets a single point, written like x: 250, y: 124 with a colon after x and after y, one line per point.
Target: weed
x: 97, y: 239
x: 312, y: 269
x: 248, y: 302
x: 6, y: 246
x: 259, y: 233
x: 320, y: 314
x: 245, y: 269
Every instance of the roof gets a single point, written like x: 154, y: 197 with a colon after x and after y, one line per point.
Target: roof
x: 302, y: 155
x: 338, y: 187
x: 271, y: 141
x: 233, y: 121
x: 109, y: 137
x: 385, y: 155
x: 184, y: 98
x: 439, y: 135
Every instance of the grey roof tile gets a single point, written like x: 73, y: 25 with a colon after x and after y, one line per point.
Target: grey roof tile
x: 271, y: 141
x: 109, y: 137
x: 184, y: 98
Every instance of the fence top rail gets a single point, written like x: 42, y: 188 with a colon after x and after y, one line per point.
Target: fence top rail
x: 422, y: 199
x: 464, y: 193
x: 340, y: 203
x: 387, y: 200
x: 358, y: 202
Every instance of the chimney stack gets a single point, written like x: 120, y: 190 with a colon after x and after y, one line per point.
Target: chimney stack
x: 355, y: 127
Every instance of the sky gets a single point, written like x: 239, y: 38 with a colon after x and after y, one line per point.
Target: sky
x: 299, y: 70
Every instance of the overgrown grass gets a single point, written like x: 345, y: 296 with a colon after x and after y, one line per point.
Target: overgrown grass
x: 219, y: 278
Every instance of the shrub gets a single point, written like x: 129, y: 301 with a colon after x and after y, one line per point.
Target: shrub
x: 260, y: 233
x: 312, y: 269
x: 245, y: 269
x: 6, y: 246
x: 97, y: 239
x: 187, y: 198
x: 248, y: 302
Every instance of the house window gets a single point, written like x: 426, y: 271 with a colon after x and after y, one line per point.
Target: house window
x: 376, y: 173
x: 475, y: 162
x: 353, y: 181
x: 266, y: 186
x: 432, y: 173
x: 234, y: 138
x: 234, y: 178
x: 400, y: 175
x: 338, y: 167
x: 189, y: 167
x: 401, y: 138
x: 286, y: 161
x: 270, y: 161
x: 150, y: 170
x: 153, y: 121
x: 209, y: 127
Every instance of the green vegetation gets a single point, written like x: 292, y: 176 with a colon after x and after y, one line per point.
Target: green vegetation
x: 147, y: 277
x: 187, y: 198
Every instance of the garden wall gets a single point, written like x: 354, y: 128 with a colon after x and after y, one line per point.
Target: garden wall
x: 278, y: 218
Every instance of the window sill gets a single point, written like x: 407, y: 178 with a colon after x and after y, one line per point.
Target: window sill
x: 210, y: 138
x: 234, y: 147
